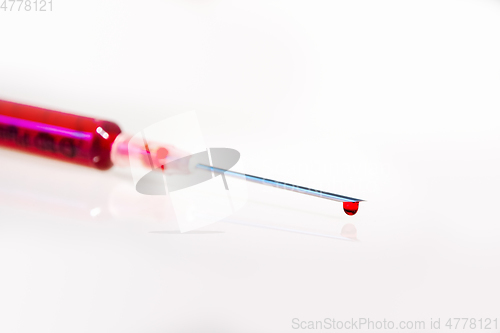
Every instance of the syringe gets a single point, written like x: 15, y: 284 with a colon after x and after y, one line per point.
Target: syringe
x: 101, y: 144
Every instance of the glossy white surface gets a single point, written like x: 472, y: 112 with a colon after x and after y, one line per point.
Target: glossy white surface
x: 394, y: 102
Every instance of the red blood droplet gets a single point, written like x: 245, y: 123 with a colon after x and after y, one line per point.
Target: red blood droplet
x: 351, y: 208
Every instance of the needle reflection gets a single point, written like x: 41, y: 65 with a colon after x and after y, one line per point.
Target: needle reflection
x: 79, y: 193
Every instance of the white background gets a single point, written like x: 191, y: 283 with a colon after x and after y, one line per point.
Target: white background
x: 394, y: 102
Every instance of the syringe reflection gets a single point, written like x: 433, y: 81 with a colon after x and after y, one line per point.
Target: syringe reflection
x: 94, y: 195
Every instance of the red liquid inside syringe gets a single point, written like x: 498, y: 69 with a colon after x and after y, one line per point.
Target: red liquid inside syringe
x: 82, y: 140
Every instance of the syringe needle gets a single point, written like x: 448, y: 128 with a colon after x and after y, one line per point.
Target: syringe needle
x: 350, y: 204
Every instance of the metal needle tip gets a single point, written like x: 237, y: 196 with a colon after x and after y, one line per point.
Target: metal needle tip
x: 281, y: 185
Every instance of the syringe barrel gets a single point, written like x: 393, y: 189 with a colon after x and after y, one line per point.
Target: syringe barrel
x: 68, y: 137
